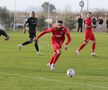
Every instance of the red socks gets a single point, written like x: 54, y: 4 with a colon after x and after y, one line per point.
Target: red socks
x: 54, y: 58
x: 93, y: 47
x: 82, y: 46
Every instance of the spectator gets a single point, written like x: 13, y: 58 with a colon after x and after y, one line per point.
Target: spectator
x: 100, y: 22
x: 94, y: 20
x: 107, y: 25
x: 80, y: 24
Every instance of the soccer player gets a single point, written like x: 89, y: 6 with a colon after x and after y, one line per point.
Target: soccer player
x: 2, y: 32
x: 58, y: 37
x: 32, y: 24
x: 88, y: 35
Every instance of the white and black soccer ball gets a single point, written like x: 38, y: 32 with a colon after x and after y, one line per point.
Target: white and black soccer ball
x: 71, y: 73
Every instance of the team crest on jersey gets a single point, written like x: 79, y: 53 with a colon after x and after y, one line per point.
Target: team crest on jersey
x: 63, y: 29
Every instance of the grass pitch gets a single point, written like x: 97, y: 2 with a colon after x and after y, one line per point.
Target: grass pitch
x: 25, y: 70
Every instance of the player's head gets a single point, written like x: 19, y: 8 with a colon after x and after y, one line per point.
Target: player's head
x: 33, y: 14
x: 89, y: 15
x: 59, y: 23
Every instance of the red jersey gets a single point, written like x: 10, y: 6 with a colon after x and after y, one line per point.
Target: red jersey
x: 88, y: 32
x: 88, y: 22
x: 58, y: 35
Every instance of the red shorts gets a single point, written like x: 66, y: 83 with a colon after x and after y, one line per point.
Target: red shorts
x: 57, y: 44
x: 89, y: 36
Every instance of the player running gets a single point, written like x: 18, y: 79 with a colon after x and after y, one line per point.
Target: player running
x: 58, y: 37
x: 32, y: 24
x: 88, y: 35
x: 2, y: 32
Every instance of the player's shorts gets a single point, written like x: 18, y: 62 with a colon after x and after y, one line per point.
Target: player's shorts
x: 89, y: 36
x: 32, y: 35
x: 3, y: 33
x: 57, y: 45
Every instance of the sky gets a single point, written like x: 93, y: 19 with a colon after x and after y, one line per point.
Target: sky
x: 23, y: 5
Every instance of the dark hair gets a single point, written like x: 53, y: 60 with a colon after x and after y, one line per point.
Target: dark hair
x: 90, y: 12
x: 60, y: 21
x: 33, y: 12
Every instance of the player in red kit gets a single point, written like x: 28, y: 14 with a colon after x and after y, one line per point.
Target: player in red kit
x: 58, y: 37
x: 89, y: 36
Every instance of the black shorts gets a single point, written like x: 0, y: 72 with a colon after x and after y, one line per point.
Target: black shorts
x: 3, y: 33
x: 32, y: 35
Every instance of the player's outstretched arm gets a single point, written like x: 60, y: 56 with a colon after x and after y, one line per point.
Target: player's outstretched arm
x: 42, y: 33
x: 69, y: 38
x: 25, y: 26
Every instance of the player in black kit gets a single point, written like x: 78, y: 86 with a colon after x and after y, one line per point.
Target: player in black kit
x: 32, y: 24
x: 3, y: 33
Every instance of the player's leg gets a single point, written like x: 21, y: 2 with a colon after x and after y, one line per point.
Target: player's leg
x: 36, y: 44
x: 85, y: 42
x: 25, y: 43
x: 51, y: 60
x: 58, y: 53
x: 81, y: 28
x: 78, y: 28
x: 82, y: 46
x: 31, y: 36
x: 4, y: 34
x: 36, y: 47
x: 93, y: 45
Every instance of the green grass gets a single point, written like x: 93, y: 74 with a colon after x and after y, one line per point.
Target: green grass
x: 25, y: 70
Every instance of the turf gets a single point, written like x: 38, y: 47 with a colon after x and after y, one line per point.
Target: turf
x: 25, y: 70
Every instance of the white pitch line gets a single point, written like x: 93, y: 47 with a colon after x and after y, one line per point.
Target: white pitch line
x: 54, y: 80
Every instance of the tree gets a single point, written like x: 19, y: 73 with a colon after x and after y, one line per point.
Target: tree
x: 6, y: 17
x: 45, y: 6
x: 70, y: 22
x: 42, y: 23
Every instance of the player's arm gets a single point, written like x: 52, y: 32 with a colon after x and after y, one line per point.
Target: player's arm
x: 43, y: 32
x: 25, y: 26
x: 69, y: 38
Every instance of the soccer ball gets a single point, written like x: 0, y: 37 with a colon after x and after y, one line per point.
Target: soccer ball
x: 71, y: 72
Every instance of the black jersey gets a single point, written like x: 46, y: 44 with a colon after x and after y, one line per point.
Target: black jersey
x: 100, y: 21
x: 3, y: 33
x: 32, y: 23
x: 80, y: 21
x: 94, y: 21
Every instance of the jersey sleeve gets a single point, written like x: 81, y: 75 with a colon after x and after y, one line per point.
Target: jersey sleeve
x: 68, y: 36
x: 86, y: 22
x: 45, y: 31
